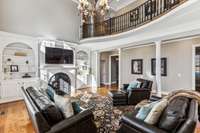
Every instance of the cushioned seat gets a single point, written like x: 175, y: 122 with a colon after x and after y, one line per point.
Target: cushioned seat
x: 118, y: 97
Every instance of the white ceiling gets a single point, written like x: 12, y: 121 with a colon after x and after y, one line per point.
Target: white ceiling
x: 119, y: 4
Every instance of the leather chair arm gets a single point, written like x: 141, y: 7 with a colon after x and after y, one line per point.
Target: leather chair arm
x: 140, y: 125
x: 125, y: 86
x: 139, y: 89
x: 66, y: 124
x: 190, y: 124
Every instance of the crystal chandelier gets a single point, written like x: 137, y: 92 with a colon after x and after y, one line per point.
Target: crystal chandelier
x: 87, y: 8
x: 102, y: 6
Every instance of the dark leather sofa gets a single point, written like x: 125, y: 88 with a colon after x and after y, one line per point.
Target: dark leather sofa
x: 47, y: 118
x: 134, y: 96
x: 180, y: 116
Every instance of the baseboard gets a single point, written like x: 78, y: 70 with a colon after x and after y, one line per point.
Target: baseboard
x: 8, y: 100
x: 105, y: 83
x: 114, y: 82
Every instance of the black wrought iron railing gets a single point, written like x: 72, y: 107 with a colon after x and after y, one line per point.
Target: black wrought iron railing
x: 141, y: 15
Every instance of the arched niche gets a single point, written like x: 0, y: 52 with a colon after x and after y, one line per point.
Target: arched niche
x: 18, y: 61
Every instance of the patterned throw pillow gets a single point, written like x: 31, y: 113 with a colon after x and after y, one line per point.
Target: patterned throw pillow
x: 156, y: 111
x: 64, y: 104
x: 50, y: 93
x: 144, y: 111
x: 76, y: 107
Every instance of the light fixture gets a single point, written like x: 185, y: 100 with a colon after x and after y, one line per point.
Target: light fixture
x: 87, y: 8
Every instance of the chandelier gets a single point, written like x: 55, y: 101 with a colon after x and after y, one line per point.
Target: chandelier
x: 87, y: 8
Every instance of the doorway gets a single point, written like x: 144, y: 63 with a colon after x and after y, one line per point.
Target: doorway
x: 197, y: 68
x: 114, y: 70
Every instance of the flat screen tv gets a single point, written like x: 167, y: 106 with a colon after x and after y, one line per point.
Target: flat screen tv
x: 58, y: 56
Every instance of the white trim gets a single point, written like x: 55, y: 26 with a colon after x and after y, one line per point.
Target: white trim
x: 105, y: 83
x: 158, y: 68
x: 193, y: 65
x: 110, y: 82
x: 8, y: 100
x: 163, y: 42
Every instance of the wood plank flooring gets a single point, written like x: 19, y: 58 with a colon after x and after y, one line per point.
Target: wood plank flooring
x: 15, y: 118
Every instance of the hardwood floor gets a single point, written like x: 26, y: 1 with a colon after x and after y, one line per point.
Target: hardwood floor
x: 15, y: 119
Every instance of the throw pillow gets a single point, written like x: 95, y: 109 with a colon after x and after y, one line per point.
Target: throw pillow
x: 144, y: 111
x: 64, y: 104
x: 154, y: 115
x: 139, y: 84
x: 133, y: 85
x: 50, y: 93
x: 76, y: 107
x: 145, y: 84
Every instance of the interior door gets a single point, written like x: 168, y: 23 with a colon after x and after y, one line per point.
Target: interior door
x: 197, y: 69
x: 103, y: 71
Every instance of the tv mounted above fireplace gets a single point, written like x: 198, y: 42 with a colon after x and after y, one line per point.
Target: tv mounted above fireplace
x: 58, y: 56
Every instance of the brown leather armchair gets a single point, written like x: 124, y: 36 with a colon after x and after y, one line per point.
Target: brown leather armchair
x: 136, y: 95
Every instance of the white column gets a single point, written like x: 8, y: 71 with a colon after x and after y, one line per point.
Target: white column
x: 96, y: 74
x: 92, y: 25
x: 98, y: 68
x: 158, y: 67
x: 120, y: 68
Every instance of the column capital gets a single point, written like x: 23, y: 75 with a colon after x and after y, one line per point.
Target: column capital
x: 158, y: 42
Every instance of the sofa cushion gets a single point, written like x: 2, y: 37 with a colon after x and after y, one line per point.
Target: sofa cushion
x: 156, y: 112
x: 145, y: 84
x: 134, y: 84
x: 64, y: 104
x: 34, y: 94
x: 50, y: 93
x: 144, y: 111
x: 76, y: 107
x: 174, y: 115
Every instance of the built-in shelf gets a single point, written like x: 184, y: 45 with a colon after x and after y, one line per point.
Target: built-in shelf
x: 25, y: 61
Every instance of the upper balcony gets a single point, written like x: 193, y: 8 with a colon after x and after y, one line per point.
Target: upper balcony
x: 141, y: 15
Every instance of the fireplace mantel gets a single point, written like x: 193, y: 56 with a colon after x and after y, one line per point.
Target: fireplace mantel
x: 56, y: 67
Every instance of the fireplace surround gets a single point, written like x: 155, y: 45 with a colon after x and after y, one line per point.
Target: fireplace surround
x: 61, y: 82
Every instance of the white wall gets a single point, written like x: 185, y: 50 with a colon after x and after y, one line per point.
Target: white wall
x: 57, y: 19
x: 145, y: 53
x: 179, y: 64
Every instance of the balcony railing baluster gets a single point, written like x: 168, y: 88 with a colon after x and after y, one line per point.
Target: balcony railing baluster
x: 142, y: 14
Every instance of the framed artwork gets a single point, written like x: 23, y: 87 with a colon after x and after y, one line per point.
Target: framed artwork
x: 14, y: 68
x: 137, y: 66
x: 163, y: 66
x: 150, y: 8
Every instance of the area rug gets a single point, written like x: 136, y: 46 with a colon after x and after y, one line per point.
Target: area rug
x: 106, y: 116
